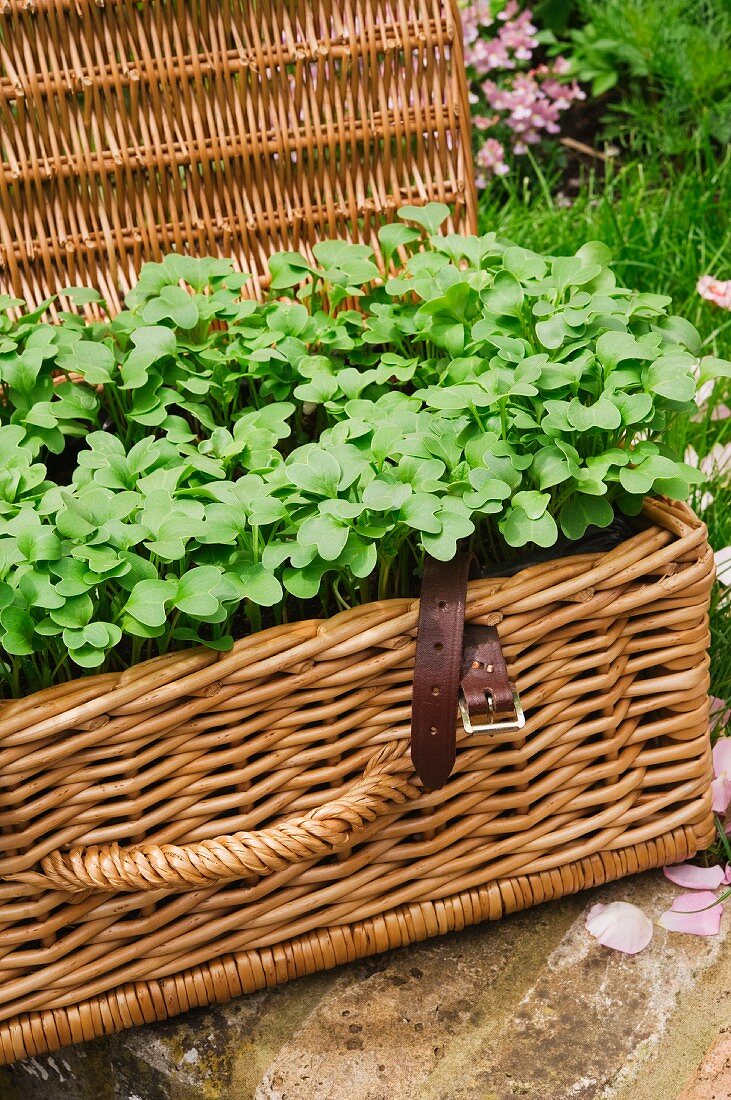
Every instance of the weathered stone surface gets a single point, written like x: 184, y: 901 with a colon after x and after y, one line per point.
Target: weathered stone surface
x: 663, y: 1065
x: 410, y: 1018
x: 529, y: 1007
x: 713, y: 1079
x: 191, y: 1057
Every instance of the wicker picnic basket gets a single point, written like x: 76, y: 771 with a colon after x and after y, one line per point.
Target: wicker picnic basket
x: 204, y: 824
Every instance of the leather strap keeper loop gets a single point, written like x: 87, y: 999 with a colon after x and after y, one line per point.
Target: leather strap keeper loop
x: 454, y: 665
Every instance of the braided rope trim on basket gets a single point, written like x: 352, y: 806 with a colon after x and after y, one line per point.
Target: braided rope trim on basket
x: 243, y: 854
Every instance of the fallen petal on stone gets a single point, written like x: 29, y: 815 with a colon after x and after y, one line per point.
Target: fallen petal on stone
x: 619, y: 925
x: 695, y: 878
x: 696, y: 914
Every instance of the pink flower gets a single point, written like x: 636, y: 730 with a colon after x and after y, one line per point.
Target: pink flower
x: 619, y: 925
x: 715, y: 290
x: 509, y: 11
x: 704, y: 394
x: 490, y: 157
x: 697, y: 914
x: 475, y: 16
x: 527, y: 103
x: 721, y: 785
x: 717, y: 461
x: 720, y: 714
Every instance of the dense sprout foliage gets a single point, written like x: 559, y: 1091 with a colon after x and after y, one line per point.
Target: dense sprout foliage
x: 167, y: 474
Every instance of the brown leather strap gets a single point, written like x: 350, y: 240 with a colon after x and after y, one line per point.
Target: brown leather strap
x: 453, y: 664
x: 437, y: 667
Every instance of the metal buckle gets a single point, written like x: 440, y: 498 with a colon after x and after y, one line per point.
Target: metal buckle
x: 516, y: 723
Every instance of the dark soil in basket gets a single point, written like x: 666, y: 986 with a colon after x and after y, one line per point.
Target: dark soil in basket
x: 595, y: 541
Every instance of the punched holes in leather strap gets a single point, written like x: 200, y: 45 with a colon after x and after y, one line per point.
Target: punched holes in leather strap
x: 437, y: 668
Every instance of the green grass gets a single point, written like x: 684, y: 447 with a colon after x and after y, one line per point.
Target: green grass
x: 666, y: 226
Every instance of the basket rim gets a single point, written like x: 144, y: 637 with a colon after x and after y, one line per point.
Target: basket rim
x: 584, y: 571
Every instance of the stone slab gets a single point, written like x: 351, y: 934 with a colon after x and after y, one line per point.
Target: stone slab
x: 713, y: 1078
x: 527, y: 1007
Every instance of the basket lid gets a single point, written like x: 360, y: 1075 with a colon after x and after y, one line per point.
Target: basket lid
x: 236, y: 128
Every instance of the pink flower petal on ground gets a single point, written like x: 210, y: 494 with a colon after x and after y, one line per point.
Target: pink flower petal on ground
x: 619, y: 925
x: 696, y: 914
x: 723, y: 565
x: 727, y: 875
x: 721, y: 795
x: 695, y: 878
x: 722, y: 756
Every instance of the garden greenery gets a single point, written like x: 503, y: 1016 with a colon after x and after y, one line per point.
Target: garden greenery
x: 168, y: 474
x: 670, y: 65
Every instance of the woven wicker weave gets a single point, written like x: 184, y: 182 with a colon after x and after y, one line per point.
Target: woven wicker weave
x: 250, y: 817
x: 220, y: 127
